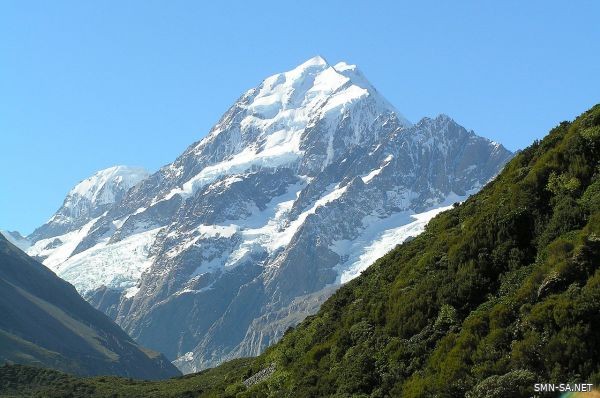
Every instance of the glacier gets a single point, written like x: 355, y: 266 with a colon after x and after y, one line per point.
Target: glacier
x: 305, y: 181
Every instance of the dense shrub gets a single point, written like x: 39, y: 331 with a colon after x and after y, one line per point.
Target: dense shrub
x: 498, y: 293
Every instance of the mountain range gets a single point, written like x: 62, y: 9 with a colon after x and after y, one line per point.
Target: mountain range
x: 497, y: 294
x: 305, y: 181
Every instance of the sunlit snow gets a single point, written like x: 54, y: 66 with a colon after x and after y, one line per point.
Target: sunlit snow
x: 381, y: 235
x: 117, y: 265
x: 57, y: 249
x: 280, y: 111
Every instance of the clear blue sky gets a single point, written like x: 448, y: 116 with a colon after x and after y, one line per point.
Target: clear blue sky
x: 89, y: 84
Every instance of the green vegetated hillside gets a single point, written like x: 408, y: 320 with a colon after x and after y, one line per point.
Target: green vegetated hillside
x: 499, y: 293
x: 27, y: 381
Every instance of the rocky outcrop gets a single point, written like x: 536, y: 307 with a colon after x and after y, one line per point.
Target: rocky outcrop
x: 302, y: 184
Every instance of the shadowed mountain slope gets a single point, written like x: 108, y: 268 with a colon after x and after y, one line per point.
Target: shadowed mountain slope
x: 498, y: 293
x: 45, y: 322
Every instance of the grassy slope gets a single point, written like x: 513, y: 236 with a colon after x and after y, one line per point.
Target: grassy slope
x: 498, y: 293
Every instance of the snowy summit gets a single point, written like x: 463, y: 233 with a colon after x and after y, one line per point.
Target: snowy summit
x: 300, y: 186
x: 272, y: 125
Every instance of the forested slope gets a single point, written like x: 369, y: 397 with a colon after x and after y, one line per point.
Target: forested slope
x: 501, y: 292
x: 498, y: 293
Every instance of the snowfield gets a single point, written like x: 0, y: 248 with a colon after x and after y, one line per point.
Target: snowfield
x: 304, y: 182
x: 117, y: 265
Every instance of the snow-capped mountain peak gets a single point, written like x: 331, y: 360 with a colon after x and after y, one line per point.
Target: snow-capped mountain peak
x: 90, y: 198
x: 303, y: 182
x: 103, y: 186
x: 305, y: 117
x: 317, y: 60
x: 310, y: 85
x: 355, y: 75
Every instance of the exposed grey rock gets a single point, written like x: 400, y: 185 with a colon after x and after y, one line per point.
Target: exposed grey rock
x: 260, y: 376
x: 303, y: 182
x: 90, y: 199
x: 45, y: 322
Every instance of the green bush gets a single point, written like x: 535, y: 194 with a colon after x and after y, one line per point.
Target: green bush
x: 498, y: 292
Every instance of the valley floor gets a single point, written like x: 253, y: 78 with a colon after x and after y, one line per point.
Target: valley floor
x: 26, y: 381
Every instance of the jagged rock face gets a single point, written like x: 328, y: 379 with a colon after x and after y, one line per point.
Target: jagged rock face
x: 303, y: 183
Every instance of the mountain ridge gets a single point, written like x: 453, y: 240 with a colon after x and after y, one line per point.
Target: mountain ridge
x: 45, y: 322
x: 499, y: 293
x: 90, y: 198
x: 491, y: 298
x: 304, y: 181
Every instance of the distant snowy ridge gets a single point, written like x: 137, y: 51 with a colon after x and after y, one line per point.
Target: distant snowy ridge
x: 100, y: 189
x: 16, y: 239
x: 90, y: 198
x: 305, y: 181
